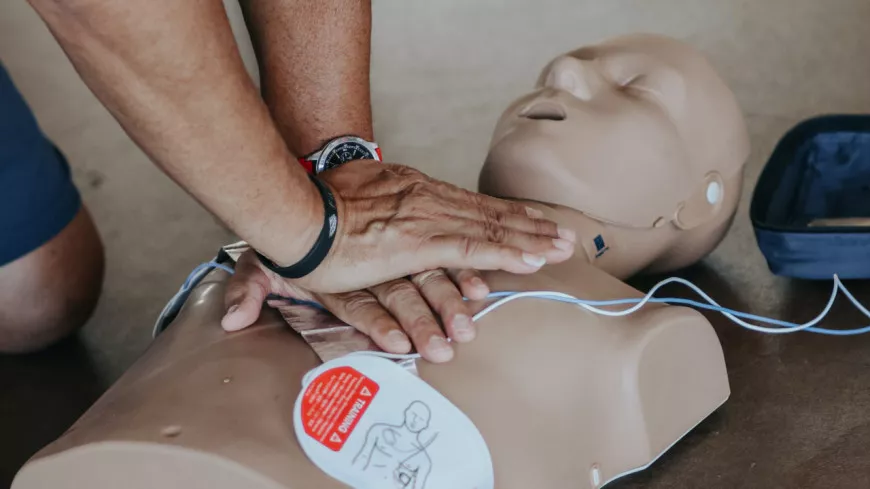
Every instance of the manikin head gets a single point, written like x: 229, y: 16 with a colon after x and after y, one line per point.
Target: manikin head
x: 417, y: 417
x: 637, y: 132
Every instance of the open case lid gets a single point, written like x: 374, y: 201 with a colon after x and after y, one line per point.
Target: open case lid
x: 811, y: 206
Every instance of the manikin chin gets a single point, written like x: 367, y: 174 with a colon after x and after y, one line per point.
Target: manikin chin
x: 637, y: 145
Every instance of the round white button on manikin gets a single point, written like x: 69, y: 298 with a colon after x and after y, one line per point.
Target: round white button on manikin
x: 714, y: 192
x: 596, y: 476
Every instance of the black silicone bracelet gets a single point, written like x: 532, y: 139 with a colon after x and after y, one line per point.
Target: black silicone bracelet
x: 321, y: 247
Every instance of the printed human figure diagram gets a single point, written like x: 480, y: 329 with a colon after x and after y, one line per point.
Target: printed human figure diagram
x: 398, y: 453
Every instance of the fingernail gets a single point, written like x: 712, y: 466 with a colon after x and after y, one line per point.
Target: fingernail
x: 534, y: 260
x: 478, y: 283
x: 439, y: 350
x: 567, y: 234
x: 463, y: 328
x: 226, y: 321
x: 563, y: 244
x: 398, y: 341
x: 534, y: 213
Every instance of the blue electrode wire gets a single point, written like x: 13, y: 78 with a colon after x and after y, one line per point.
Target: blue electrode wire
x: 203, y: 267
x: 782, y: 327
x: 174, y: 305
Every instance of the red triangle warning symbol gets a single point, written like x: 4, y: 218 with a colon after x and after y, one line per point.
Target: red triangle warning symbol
x: 335, y: 438
x: 365, y: 392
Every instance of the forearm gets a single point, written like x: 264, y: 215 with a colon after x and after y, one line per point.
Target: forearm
x: 314, y: 67
x: 170, y: 73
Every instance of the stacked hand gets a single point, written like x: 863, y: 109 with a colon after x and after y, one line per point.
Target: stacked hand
x: 405, y: 252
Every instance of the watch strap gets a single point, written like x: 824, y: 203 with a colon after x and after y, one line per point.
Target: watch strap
x: 307, y: 164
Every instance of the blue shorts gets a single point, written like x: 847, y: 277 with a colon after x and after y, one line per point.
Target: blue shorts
x: 37, y: 196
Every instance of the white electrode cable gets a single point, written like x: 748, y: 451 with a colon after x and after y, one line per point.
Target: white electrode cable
x: 596, y: 307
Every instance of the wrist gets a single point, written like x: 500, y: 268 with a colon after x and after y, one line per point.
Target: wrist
x: 322, y: 244
x: 339, y: 151
x: 301, y: 230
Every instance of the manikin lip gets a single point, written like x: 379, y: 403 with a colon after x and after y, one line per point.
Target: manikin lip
x: 544, y: 110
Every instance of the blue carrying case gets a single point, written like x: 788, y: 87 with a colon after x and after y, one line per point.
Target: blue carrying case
x: 817, y: 176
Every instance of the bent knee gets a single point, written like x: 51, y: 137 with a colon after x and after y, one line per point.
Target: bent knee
x: 52, y: 291
x: 26, y: 331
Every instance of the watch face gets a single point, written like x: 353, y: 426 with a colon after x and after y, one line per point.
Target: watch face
x: 344, y: 152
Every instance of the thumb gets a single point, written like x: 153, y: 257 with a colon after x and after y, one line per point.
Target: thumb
x: 245, y: 293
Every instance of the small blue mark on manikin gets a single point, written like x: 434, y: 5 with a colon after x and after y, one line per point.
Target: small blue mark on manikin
x: 600, y: 245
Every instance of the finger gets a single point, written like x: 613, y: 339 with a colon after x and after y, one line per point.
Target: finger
x: 445, y: 299
x: 480, y: 200
x: 465, y: 252
x: 529, y: 221
x: 470, y: 283
x: 405, y: 303
x: 554, y: 250
x: 245, y: 292
x: 362, y: 310
x: 535, y: 226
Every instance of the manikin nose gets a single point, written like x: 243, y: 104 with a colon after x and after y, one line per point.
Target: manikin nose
x: 580, y: 78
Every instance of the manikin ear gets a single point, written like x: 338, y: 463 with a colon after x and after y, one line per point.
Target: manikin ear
x: 702, y: 206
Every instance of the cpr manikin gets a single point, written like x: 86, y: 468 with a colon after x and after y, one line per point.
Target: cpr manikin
x: 634, y: 143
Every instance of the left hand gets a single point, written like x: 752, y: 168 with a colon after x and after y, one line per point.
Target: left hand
x: 389, y: 313
x: 394, y: 221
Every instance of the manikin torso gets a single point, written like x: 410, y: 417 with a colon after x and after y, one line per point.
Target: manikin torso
x: 595, y: 396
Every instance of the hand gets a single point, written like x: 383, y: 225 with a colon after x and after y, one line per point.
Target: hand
x: 395, y: 222
x: 389, y: 313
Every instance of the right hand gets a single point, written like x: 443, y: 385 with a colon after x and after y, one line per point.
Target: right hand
x: 395, y: 222
x: 395, y: 314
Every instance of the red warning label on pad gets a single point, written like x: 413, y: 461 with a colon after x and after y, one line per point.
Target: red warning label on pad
x: 334, y: 403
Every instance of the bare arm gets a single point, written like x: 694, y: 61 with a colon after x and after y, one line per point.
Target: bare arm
x: 314, y: 58
x: 314, y: 67
x: 171, y: 74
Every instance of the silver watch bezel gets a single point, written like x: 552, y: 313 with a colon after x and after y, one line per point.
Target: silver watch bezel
x: 322, y: 156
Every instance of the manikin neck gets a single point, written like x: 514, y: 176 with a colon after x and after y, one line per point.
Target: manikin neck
x: 619, y: 251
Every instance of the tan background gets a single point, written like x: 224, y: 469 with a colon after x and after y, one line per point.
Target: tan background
x: 442, y: 72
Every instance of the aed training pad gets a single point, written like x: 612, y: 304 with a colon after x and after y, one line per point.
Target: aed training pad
x: 811, y: 206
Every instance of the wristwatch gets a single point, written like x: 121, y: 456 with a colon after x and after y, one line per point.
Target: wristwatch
x: 338, y: 151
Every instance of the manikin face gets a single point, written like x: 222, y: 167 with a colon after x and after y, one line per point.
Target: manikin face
x: 417, y: 417
x: 623, y: 131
